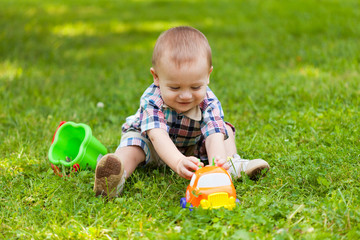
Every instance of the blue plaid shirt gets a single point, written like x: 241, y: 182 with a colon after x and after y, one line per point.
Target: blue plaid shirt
x: 183, y: 130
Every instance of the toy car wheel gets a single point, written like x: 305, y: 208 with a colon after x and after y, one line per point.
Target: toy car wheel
x: 191, y: 208
x: 183, y: 202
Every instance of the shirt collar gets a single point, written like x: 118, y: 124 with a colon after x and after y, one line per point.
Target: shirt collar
x: 194, y: 113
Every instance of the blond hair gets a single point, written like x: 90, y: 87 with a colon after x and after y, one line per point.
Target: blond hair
x: 182, y: 45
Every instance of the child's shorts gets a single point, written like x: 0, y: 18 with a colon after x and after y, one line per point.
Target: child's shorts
x: 134, y: 138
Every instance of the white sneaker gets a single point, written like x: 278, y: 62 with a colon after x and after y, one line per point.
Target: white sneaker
x: 252, y: 168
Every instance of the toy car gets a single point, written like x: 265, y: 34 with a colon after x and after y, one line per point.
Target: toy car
x: 210, y: 187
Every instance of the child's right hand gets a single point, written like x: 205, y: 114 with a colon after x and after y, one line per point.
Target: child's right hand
x: 220, y: 162
x: 187, y: 166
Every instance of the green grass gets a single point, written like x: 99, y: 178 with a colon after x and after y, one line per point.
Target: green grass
x: 287, y: 73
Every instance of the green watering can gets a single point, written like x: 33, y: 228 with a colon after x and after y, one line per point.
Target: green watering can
x: 74, y: 146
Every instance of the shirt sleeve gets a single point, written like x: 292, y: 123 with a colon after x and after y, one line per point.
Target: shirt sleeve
x: 151, y: 117
x: 213, y: 120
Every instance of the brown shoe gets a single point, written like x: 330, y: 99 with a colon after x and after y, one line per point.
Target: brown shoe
x: 109, y: 176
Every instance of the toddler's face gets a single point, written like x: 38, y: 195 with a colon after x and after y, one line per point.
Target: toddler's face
x: 182, y: 88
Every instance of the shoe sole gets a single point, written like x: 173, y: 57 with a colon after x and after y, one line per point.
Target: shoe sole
x: 258, y: 173
x: 108, y: 173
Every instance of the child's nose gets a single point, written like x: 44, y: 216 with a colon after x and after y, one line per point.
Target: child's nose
x: 185, y: 95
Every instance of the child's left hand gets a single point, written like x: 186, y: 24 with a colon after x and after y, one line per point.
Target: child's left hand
x: 221, y: 162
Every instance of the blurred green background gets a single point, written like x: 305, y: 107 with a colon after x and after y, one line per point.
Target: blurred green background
x: 286, y: 72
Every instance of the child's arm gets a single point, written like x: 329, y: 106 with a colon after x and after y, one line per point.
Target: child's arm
x: 215, y: 148
x: 167, y: 151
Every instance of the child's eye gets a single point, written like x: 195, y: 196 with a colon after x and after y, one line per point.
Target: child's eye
x: 174, y: 88
x: 196, y: 88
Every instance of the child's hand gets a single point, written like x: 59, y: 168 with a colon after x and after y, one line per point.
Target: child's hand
x: 220, y: 162
x: 187, y: 166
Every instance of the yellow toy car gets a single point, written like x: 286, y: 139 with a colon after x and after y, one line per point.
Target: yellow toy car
x: 210, y: 187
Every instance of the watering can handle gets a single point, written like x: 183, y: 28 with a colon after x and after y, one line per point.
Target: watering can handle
x: 61, y: 123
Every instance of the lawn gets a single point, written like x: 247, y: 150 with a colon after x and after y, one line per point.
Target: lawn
x: 287, y: 74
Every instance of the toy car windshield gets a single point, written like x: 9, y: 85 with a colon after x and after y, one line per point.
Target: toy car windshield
x: 214, y: 180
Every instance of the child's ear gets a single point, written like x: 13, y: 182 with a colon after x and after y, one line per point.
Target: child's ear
x: 210, y: 71
x: 155, y: 76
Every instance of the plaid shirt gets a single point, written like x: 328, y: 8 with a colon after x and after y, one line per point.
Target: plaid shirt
x: 184, y: 131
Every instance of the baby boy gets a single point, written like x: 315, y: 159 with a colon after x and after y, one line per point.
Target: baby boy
x: 180, y: 121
